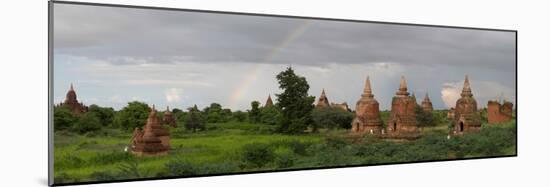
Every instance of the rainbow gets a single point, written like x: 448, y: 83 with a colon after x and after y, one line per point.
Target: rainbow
x: 251, y: 76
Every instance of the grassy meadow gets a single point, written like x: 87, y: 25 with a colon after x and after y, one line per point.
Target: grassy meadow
x: 242, y: 147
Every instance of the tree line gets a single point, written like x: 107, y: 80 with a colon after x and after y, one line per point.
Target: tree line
x: 294, y: 112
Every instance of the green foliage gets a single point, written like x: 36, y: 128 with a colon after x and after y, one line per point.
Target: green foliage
x: 130, y: 169
x: 215, y: 114
x: 111, y: 157
x: 240, y: 116
x: 87, y: 123
x: 424, y: 118
x: 257, y: 155
x: 194, y: 120
x: 105, y: 114
x: 331, y: 118
x: 181, y: 167
x: 63, y: 118
x: 254, y: 112
x: 295, y: 103
x: 270, y: 115
x: 132, y: 116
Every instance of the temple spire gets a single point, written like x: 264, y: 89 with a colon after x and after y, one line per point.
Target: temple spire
x: 71, y: 89
x: 367, y: 91
x: 323, y: 100
x: 402, y: 88
x: 466, y: 90
x: 268, y: 102
x: 403, y: 84
x: 426, y: 98
x: 167, y: 108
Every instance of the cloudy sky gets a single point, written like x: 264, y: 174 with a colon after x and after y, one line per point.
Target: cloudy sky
x: 177, y: 59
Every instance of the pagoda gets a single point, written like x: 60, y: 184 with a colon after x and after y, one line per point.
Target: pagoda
x: 71, y: 102
x: 323, y: 100
x: 427, y: 104
x: 168, y: 118
x: 466, y: 117
x: 402, y: 117
x: 367, y: 113
x: 153, y: 140
x: 268, y: 102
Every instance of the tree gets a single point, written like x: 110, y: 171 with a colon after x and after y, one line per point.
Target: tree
x: 424, y: 118
x: 254, y: 112
x: 239, y: 116
x: 194, y: 119
x: 132, y: 116
x: 88, y: 122
x: 331, y: 118
x: 295, y: 103
x: 270, y: 115
x: 63, y: 118
x: 215, y: 114
x: 105, y: 114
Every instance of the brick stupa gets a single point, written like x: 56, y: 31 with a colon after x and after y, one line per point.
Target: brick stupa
x: 367, y: 113
x: 427, y: 104
x: 323, y: 100
x: 71, y: 102
x: 268, y: 102
x: 466, y: 117
x: 153, y: 140
x: 402, y: 117
x: 169, y: 119
x: 497, y: 113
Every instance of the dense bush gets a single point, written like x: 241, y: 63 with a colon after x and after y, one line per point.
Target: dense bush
x: 331, y: 118
x: 195, y: 121
x: 132, y: 116
x: 270, y: 115
x: 256, y: 155
x: 63, y: 118
x: 105, y: 114
x: 186, y: 168
x: 424, y: 118
x: 240, y: 116
x: 87, y: 123
x: 254, y: 112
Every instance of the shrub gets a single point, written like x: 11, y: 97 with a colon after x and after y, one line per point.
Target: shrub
x: 256, y: 155
x: 63, y: 118
x: 87, y: 123
x: 103, y: 176
x: 112, y: 157
x: 270, y: 115
x: 285, y: 160
x: 181, y: 168
x: 331, y: 118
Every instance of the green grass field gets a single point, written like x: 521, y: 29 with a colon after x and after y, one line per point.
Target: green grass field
x: 241, y: 147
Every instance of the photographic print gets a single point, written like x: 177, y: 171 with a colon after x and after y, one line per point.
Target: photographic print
x: 152, y: 93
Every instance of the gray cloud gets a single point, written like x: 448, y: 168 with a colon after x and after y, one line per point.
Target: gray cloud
x: 116, y: 55
x: 126, y: 35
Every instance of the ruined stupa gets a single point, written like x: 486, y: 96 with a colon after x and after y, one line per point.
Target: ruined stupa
x: 466, y: 117
x: 427, y: 104
x: 367, y: 113
x: 153, y: 140
x: 402, y: 117
x: 497, y: 113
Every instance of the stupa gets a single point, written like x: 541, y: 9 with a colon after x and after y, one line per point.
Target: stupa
x: 466, y: 117
x: 403, y: 116
x: 367, y: 113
